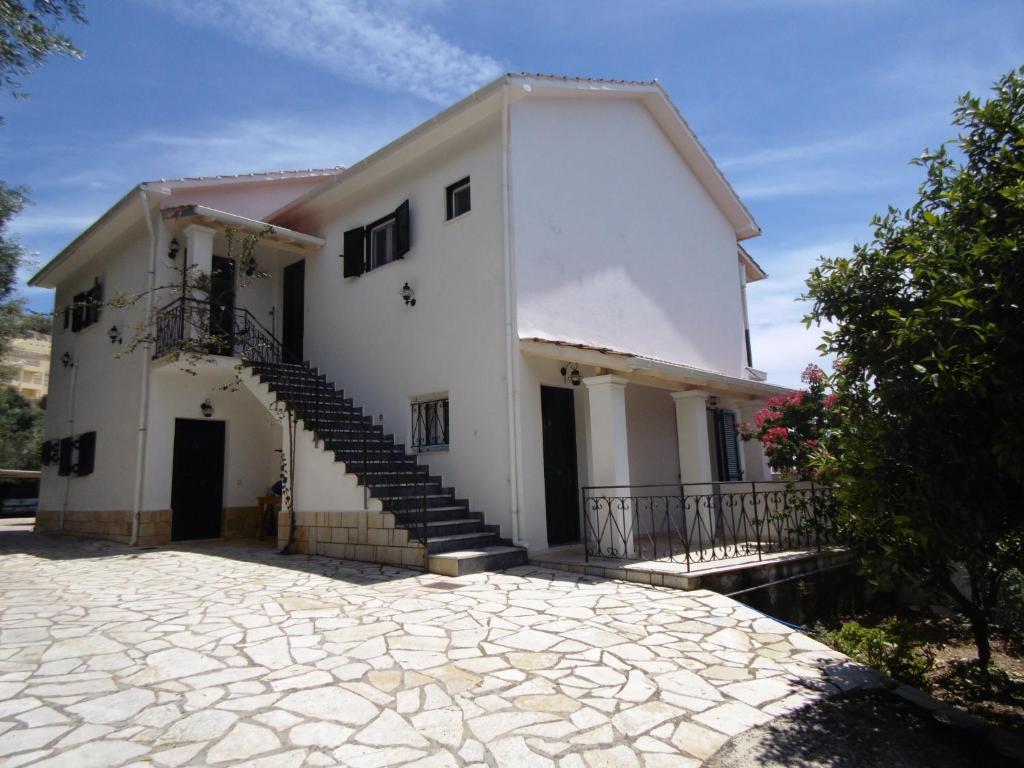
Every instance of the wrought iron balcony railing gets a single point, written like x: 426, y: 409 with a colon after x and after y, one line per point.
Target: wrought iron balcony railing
x: 200, y: 328
x: 702, y: 522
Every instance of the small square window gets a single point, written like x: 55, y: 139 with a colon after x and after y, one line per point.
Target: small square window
x: 458, y: 200
x: 382, y: 244
x: 430, y: 424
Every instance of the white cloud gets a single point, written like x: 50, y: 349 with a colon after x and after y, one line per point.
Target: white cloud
x: 781, y: 344
x: 62, y: 223
x: 382, y: 45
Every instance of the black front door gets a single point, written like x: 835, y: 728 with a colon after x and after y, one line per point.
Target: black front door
x: 222, y: 306
x: 197, y: 482
x: 293, y: 307
x: 561, y: 494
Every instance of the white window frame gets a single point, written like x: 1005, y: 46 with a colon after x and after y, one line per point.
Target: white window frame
x: 376, y: 259
x: 449, y: 198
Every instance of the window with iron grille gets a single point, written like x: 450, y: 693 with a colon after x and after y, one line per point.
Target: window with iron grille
x: 430, y: 424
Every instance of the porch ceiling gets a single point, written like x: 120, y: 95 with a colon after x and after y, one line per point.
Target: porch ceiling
x: 280, y: 237
x: 646, y: 370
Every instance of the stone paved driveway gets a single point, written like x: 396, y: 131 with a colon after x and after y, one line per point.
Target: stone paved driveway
x: 228, y: 655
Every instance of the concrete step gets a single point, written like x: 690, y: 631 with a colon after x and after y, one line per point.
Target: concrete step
x: 439, y: 544
x: 465, y: 561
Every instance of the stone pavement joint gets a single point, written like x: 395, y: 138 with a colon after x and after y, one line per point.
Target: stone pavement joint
x: 223, y: 654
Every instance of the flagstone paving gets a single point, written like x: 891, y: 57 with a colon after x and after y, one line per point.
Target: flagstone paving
x: 229, y: 655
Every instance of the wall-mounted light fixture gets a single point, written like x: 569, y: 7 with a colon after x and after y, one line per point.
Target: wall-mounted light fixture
x: 114, y: 334
x: 172, y: 250
x: 572, y: 374
x: 66, y: 359
x: 206, y: 408
x: 712, y: 402
x: 408, y: 296
x: 250, y: 266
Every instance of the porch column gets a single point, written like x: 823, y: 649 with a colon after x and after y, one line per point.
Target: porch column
x: 755, y: 466
x: 692, y: 434
x: 199, y: 242
x: 608, y: 517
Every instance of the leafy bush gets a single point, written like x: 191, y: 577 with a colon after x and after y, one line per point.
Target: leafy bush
x: 888, y: 648
x: 1009, y: 613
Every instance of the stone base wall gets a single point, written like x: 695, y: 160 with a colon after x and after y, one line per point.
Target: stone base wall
x: 367, y: 536
x: 112, y: 525
x: 241, y: 523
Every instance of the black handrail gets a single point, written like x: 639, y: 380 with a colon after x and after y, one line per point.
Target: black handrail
x: 702, y: 522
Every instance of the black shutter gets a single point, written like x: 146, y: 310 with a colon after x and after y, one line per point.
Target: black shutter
x: 67, y: 317
x: 355, y: 260
x: 78, y: 313
x: 44, y: 453
x: 402, y: 239
x: 94, y: 302
x: 86, y: 454
x: 67, y: 446
x: 729, y: 446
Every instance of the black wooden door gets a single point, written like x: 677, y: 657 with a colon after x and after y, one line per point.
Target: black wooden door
x: 561, y: 493
x: 293, y: 306
x: 222, y: 306
x: 197, y: 482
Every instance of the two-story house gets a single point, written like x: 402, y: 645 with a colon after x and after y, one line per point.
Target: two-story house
x: 539, y: 290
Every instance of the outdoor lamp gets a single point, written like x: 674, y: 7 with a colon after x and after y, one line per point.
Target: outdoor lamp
x: 206, y: 408
x: 572, y: 374
x: 172, y: 252
x: 408, y: 296
x: 114, y: 335
x: 65, y: 359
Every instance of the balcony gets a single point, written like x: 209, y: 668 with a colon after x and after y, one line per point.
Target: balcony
x: 196, y: 330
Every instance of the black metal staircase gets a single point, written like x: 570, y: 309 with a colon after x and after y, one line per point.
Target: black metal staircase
x: 420, y: 503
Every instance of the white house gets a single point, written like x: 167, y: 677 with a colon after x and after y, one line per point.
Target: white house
x: 539, y: 290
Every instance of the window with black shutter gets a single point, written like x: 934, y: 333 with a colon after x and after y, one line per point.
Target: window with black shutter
x: 86, y: 444
x: 728, y: 447
x: 45, y: 453
x: 65, y: 460
x: 93, y: 304
x: 379, y: 243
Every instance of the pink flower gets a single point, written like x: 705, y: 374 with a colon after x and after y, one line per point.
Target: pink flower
x: 812, y: 374
x: 830, y: 400
x: 764, y: 416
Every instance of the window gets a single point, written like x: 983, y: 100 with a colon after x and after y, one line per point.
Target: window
x: 728, y: 446
x: 382, y: 244
x: 430, y: 424
x: 457, y: 199
x: 377, y: 244
x: 85, y: 308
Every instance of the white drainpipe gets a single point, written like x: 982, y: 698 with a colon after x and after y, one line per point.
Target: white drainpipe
x: 71, y: 432
x: 147, y: 354
x: 511, y: 328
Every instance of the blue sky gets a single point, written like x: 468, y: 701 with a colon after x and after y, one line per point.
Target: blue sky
x: 811, y: 108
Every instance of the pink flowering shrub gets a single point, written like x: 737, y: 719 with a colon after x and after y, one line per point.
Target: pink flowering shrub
x: 794, y: 428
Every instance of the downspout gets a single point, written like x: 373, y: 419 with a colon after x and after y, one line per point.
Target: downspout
x: 147, y: 354
x: 71, y: 431
x: 511, y: 327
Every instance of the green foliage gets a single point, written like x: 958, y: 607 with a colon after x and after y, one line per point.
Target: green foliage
x: 1009, y: 612
x: 888, y: 648
x: 29, y: 35
x: 929, y: 346
x: 21, y: 431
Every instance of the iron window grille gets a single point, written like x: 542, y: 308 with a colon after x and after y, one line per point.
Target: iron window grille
x: 430, y: 424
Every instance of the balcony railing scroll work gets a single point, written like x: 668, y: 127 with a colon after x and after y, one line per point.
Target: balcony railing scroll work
x: 196, y: 330
x: 695, y: 523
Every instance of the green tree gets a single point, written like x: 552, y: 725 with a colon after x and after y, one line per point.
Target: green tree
x: 21, y: 430
x: 929, y: 350
x: 29, y: 34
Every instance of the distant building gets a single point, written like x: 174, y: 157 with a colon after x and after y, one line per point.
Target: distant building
x: 29, y: 357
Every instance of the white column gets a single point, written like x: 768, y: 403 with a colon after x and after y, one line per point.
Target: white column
x: 692, y: 434
x: 609, y: 516
x: 199, y: 242
x: 755, y: 466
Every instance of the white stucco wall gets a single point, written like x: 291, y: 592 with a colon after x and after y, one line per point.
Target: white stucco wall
x: 384, y: 354
x: 251, y: 434
x: 653, y: 441
x: 617, y: 244
x: 106, y: 389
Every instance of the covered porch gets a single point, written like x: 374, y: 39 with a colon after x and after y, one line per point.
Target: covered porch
x: 666, y: 488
